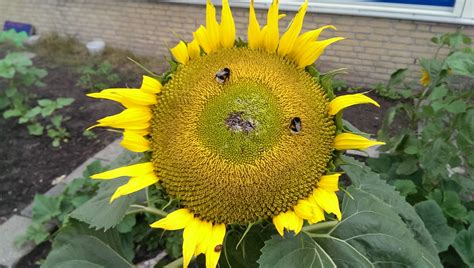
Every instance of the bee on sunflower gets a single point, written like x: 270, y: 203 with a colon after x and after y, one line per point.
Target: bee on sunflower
x: 238, y: 134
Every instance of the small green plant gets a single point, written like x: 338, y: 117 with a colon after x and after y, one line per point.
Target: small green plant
x: 97, y: 77
x: 430, y: 161
x: 19, y: 75
x: 56, y: 209
x: 129, y: 225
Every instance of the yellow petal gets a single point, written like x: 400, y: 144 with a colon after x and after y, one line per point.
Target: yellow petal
x: 279, y: 224
x: 288, y: 220
x: 193, y: 49
x: 180, y: 53
x: 347, y: 141
x: 272, y: 34
x: 130, y: 171
x: 425, y: 78
x: 135, y: 184
x: 318, y: 214
x: 327, y: 201
x: 176, y: 220
x: 212, y: 27
x: 288, y: 39
x: 214, y: 247
x: 296, y: 222
x: 113, y: 97
x: 254, y: 35
x: 304, y: 209
x: 150, y: 85
x: 342, y: 102
x: 132, y: 118
x: 134, y: 142
x: 136, y: 96
x: 203, y: 39
x: 329, y: 182
x: 205, y: 231
x: 190, y: 240
x: 227, y: 27
x: 305, y: 39
x: 312, y: 52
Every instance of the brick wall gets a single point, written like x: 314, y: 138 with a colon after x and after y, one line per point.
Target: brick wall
x: 374, y: 47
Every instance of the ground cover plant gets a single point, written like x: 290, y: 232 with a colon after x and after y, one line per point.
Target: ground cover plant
x: 37, y: 89
x: 203, y: 204
x: 431, y: 161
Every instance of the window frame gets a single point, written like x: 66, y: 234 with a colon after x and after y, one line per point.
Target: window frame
x: 455, y: 15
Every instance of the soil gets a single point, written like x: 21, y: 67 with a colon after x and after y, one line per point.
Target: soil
x: 368, y: 118
x: 29, y: 164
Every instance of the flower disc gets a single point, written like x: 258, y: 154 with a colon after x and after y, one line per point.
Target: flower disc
x: 244, y: 147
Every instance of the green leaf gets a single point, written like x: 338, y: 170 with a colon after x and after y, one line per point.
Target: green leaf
x: 35, y: 129
x: 57, y: 120
x: 450, y: 202
x: 370, y: 182
x: 61, y: 102
x: 457, y: 107
x: 11, y: 113
x: 45, y: 208
x: 248, y: 251
x: 127, y: 223
x: 33, y: 112
x: 405, y: 187
x: 36, y: 232
x: 294, y: 251
x: 397, y: 77
x: 99, y: 212
x: 464, y: 245
x: 436, y: 223
x: 77, y: 243
x: 6, y: 70
x: 461, y: 63
x: 46, y: 102
x: 407, y: 167
x: 411, y: 150
x: 438, y: 93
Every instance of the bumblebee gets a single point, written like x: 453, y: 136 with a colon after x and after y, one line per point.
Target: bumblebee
x: 295, y: 125
x: 222, y: 75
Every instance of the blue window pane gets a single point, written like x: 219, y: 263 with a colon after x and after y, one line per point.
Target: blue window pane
x: 443, y: 3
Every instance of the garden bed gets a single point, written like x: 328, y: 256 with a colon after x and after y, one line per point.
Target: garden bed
x: 29, y: 163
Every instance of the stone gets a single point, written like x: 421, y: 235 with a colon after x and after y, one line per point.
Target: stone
x: 9, y: 231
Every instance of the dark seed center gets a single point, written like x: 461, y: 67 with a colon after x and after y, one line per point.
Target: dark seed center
x: 236, y: 122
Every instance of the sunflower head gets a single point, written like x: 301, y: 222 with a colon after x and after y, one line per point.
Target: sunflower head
x: 238, y: 134
x: 425, y: 78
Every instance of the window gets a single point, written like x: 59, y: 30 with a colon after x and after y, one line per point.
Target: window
x: 447, y: 11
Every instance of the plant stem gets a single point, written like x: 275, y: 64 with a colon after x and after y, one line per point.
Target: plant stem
x: 320, y: 226
x: 154, y: 211
x: 175, y: 263
x: 417, y: 106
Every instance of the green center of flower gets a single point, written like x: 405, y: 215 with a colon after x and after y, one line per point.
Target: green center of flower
x: 244, y: 147
x: 242, y: 122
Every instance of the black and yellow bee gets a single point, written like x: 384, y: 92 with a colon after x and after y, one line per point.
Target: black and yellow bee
x: 222, y: 75
x: 295, y: 125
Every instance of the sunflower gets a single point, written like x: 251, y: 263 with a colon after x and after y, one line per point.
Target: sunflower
x: 425, y: 78
x: 240, y: 131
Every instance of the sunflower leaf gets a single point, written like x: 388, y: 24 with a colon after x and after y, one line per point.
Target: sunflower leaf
x: 79, y: 246
x: 369, y: 182
x: 378, y: 227
x: 294, y: 251
x: 98, y: 212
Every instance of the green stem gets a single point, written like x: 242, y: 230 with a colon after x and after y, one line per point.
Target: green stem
x: 417, y: 106
x: 154, y: 211
x: 320, y: 226
x: 175, y: 263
